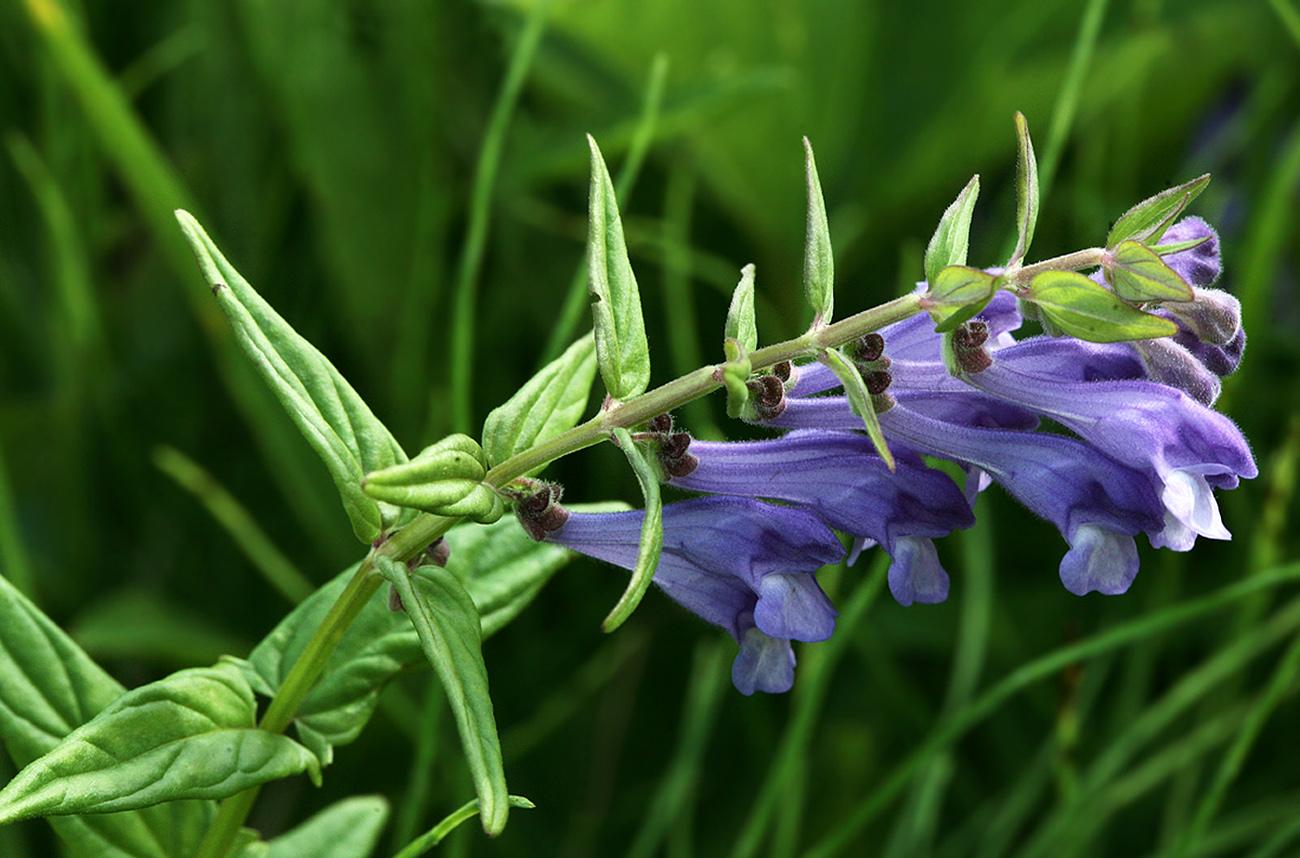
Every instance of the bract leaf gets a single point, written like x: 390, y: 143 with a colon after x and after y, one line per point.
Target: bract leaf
x: 741, y: 325
x: 859, y: 399
x: 48, y: 688
x: 1149, y: 219
x: 189, y: 735
x: 818, y: 261
x: 652, y: 533
x: 951, y: 239
x: 621, y: 348
x: 1138, y: 274
x: 447, y: 625
x: 1026, y: 190
x: 336, y: 422
x: 1089, y: 311
x: 958, y: 293
x: 552, y: 402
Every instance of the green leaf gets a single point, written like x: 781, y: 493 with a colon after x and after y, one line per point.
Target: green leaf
x: 501, y: 568
x: 346, y: 829
x: 1149, y: 219
x: 1089, y: 311
x: 652, y: 533
x: 621, y: 348
x: 741, y: 325
x: 1137, y: 274
x: 447, y: 624
x: 1026, y: 190
x: 951, y: 239
x: 818, y: 261
x: 336, y: 422
x: 190, y: 735
x: 48, y: 688
x: 376, y: 646
x: 553, y: 401
x: 859, y: 399
x: 958, y: 293
x: 441, y: 476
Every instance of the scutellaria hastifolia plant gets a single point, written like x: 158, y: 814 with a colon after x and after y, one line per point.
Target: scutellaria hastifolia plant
x: 1129, y: 363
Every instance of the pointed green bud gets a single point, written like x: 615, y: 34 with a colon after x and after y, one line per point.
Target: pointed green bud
x: 741, y: 325
x: 818, y: 263
x: 951, y: 239
x: 1026, y: 190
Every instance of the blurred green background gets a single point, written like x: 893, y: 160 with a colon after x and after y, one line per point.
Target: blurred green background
x: 406, y: 183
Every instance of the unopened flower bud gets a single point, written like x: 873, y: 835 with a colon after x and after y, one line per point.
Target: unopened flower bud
x: 1212, y: 316
x: 1169, y: 363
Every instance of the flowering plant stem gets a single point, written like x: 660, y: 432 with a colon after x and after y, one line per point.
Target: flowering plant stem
x: 412, y: 539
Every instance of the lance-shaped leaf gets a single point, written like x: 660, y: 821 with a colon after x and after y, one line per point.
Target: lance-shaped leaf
x: 346, y: 829
x: 447, y: 624
x: 431, y: 838
x: 336, y: 422
x: 48, y: 688
x: 1149, y: 219
x: 621, y: 347
x: 818, y: 261
x: 377, y: 645
x: 1081, y: 308
x: 741, y: 324
x: 652, y: 533
x: 1138, y: 274
x: 1026, y: 190
x: 859, y: 400
x: 553, y: 401
x: 436, y: 480
x: 951, y: 239
x: 958, y: 293
x: 190, y: 735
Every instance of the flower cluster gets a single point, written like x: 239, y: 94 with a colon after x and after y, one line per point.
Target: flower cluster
x: 1142, y: 452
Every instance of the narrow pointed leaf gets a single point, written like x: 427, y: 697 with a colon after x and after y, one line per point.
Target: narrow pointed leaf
x: 190, y: 735
x: 1138, y: 275
x: 1149, y: 219
x: 447, y: 624
x: 336, y: 422
x: 1026, y: 190
x: 1081, y: 308
x: 957, y: 293
x: 431, y: 838
x: 951, y: 239
x: 652, y: 533
x: 741, y: 324
x: 553, y: 401
x: 48, y: 688
x: 818, y: 261
x: 621, y: 348
x: 859, y: 399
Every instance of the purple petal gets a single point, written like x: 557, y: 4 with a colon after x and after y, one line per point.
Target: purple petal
x: 915, y: 575
x: 1100, y: 560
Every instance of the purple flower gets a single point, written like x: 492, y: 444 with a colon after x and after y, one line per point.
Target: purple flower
x: 740, y: 564
x: 1097, y: 503
x: 838, y: 477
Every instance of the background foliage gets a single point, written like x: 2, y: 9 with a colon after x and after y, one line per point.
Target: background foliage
x: 406, y: 183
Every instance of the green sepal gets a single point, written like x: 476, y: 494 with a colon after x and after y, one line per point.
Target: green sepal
x: 1137, y: 274
x: 1026, y: 190
x: 447, y: 624
x: 621, y: 347
x: 1149, y: 219
x: 652, y: 533
x: 818, y: 261
x: 552, y: 401
x: 190, y: 735
x: 958, y: 293
x: 735, y: 374
x: 336, y: 422
x: 859, y: 399
x: 951, y: 239
x: 741, y: 324
x: 1089, y: 311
